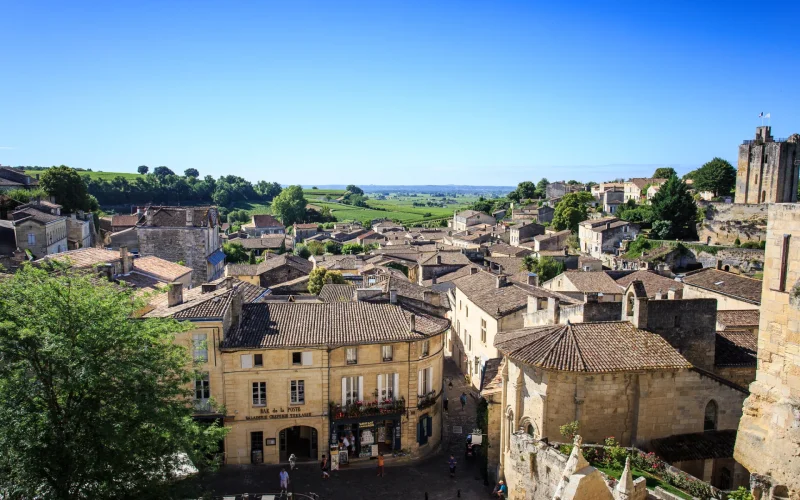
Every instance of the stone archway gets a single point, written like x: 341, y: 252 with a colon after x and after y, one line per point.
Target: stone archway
x: 300, y: 440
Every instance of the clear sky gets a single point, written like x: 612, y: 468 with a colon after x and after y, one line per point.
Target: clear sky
x: 381, y: 92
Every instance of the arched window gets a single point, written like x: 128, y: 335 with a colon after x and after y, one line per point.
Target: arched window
x: 710, y: 420
x: 629, y: 305
x: 530, y: 430
x: 510, y: 427
x: 763, y: 196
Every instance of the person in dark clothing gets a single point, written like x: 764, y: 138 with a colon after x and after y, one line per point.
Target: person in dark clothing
x: 463, y: 399
x: 452, y: 464
x: 444, y: 403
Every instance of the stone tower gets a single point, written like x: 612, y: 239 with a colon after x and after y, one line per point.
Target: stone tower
x: 768, y: 169
x: 768, y: 440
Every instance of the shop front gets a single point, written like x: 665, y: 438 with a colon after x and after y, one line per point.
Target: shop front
x: 361, y: 437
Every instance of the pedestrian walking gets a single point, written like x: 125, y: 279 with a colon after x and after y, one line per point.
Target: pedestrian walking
x: 284, y: 481
x: 380, y: 464
x: 452, y: 464
x: 463, y: 399
x: 444, y: 404
x: 324, y: 466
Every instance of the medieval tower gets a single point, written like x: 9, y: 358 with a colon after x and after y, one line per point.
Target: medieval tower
x: 768, y: 169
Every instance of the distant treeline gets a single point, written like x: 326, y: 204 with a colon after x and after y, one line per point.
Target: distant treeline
x: 173, y: 189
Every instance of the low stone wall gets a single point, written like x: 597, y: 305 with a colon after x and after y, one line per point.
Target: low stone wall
x: 727, y: 222
x: 532, y: 469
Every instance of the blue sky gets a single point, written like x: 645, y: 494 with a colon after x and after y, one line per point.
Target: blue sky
x: 488, y: 93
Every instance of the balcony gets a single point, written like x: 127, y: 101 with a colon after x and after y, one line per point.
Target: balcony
x: 367, y: 408
x: 426, y: 400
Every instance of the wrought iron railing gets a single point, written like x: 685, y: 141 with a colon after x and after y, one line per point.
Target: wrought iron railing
x: 367, y: 408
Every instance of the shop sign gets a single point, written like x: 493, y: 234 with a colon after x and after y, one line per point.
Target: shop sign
x: 275, y: 413
x: 364, y: 425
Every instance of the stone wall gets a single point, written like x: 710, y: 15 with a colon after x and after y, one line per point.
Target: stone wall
x: 724, y: 302
x: 532, y: 469
x: 769, y: 433
x: 725, y: 222
x: 187, y: 244
x: 746, y: 261
x: 281, y: 274
x: 740, y: 375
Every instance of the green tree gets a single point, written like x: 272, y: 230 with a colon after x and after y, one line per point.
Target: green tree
x: 352, y: 188
x: 162, y: 171
x: 290, y: 205
x: 302, y: 251
x: 526, y: 189
x: 332, y: 247
x: 25, y: 195
x: 191, y: 172
x: 717, y: 176
x: 674, y: 204
x: 93, y: 403
x: 320, y: 277
x: 143, y: 169
x: 67, y: 187
x: 664, y: 173
x: 235, y: 253
x: 571, y: 210
x: 546, y: 268
x: 541, y: 186
x: 315, y: 247
x: 352, y: 249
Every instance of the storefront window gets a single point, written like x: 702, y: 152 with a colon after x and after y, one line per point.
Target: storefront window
x: 259, y: 394
x: 297, y: 392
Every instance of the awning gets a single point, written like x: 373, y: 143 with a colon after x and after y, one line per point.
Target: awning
x: 216, y: 258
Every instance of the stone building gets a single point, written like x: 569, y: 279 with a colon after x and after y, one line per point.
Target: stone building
x: 558, y: 189
x: 579, y: 284
x: 303, y: 231
x: 523, y: 233
x: 275, y: 269
x: 612, y: 199
x: 636, y: 189
x: 80, y: 230
x: 439, y: 263
x: 12, y: 178
x: 533, y: 213
x: 615, y: 378
x: 599, y: 236
x: 769, y: 432
x: 551, y: 241
x: 184, y: 234
x: 467, y: 218
x: 260, y: 225
x: 40, y: 233
x: 732, y: 291
x: 768, y: 169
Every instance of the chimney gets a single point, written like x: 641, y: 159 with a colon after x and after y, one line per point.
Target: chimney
x: 393, y: 296
x: 553, y: 311
x: 148, y: 214
x: 592, y: 297
x: 431, y: 297
x: 175, y: 294
x: 719, y: 264
x: 412, y: 323
x: 674, y: 294
x: 236, y: 308
x: 533, y: 304
x: 126, y: 260
x: 500, y: 281
x: 207, y: 287
x: 473, y: 270
x: 438, y: 259
x: 106, y: 271
x: 659, y: 295
x: 533, y: 279
x: 189, y: 217
x: 608, y: 225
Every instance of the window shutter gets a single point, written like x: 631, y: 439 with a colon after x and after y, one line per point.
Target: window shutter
x: 429, y: 373
x: 361, y: 388
x: 396, y: 386
x: 344, y: 391
x: 247, y: 361
x: 420, y: 377
x: 308, y: 358
x: 380, y: 387
x: 429, y: 425
x: 419, y: 432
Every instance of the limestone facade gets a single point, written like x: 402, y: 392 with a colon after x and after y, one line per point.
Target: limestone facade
x: 769, y: 433
x: 768, y: 169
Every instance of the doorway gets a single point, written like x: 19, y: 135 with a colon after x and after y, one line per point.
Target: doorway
x: 256, y: 447
x: 300, y: 440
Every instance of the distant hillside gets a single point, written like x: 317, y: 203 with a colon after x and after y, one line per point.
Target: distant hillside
x: 429, y: 188
x: 94, y: 175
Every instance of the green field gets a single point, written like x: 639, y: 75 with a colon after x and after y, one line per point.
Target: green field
x: 94, y: 175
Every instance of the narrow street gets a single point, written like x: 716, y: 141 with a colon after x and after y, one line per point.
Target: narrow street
x: 428, y: 479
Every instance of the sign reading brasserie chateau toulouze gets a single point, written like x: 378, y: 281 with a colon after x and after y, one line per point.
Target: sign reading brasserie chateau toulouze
x: 266, y: 413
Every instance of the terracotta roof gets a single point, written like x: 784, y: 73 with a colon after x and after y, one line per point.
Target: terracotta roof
x: 84, y: 257
x: 164, y: 269
x: 559, y: 234
x: 124, y: 220
x: 268, y: 241
x: 506, y: 249
x: 653, y: 282
x: 286, y: 259
x: 724, y: 283
x: 283, y: 325
x: 641, y: 182
x: 695, y: 446
x: 177, y: 217
x: 468, y: 213
x: 492, y: 381
x: 32, y: 213
x: 736, y: 348
x: 591, y: 281
x: 738, y: 319
x: 241, y: 270
x: 142, y: 282
x: 458, y: 273
x: 448, y: 259
x: 598, y: 222
x: 307, y: 226
x: 510, y: 265
x: 265, y: 220
x: 600, y: 347
x: 481, y: 289
x: 611, y: 225
x: 209, y: 305
x: 296, y: 285
x: 337, y: 293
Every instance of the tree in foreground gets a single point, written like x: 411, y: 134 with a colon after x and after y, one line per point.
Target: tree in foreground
x: 546, y: 268
x: 676, y: 211
x: 93, y: 403
x: 290, y: 205
x: 717, y: 176
x: 571, y: 210
x: 320, y: 277
x: 67, y: 187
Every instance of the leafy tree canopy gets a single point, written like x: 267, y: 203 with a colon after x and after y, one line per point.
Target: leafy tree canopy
x: 546, y: 268
x: 302, y: 251
x: 674, y: 205
x: 320, y: 277
x: 526, y: 189
x: 163, y: 171
x: 352, y: 249
x: 235, y: 253
x: 290, y: 205
x: 93, y: 404
x: 541, y: 186
x: 717, y: 176
x: 191, y: 172
x: 571, y: 210
x: 143, y: 169
x: 664, y: 173
x: 67, y: 187
x: 352, y: 188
